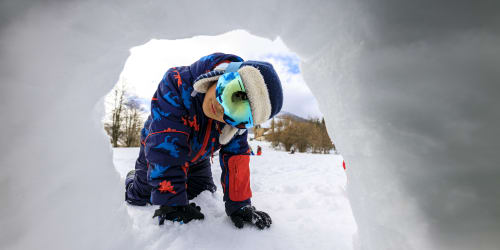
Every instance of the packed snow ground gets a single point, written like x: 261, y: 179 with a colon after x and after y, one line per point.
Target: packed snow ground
x: 303, y: 193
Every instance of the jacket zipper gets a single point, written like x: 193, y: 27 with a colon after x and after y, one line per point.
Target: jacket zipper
x: 205, y: 141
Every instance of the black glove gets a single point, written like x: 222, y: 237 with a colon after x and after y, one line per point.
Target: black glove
x: 252, y: 216
x: 179, y: 213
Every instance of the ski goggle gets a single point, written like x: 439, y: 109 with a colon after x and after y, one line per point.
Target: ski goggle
x: 231, y: 94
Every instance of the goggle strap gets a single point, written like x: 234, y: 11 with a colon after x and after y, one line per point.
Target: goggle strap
x: 233, y: 67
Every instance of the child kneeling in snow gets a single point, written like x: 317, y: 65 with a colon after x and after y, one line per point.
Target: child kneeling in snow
x: 195, y: 111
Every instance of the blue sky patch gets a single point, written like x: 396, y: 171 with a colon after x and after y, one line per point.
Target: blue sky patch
x: 290, y: 61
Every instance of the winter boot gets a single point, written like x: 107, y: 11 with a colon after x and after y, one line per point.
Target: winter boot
x: 129, y: 179
x: 129, y: 185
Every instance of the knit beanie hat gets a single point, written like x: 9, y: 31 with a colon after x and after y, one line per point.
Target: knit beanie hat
x: 262, y: 85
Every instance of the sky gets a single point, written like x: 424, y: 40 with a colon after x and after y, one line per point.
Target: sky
x: 147, y: 63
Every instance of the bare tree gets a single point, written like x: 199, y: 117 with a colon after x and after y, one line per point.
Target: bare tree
x: 113, y: 127
x: 132, y: 122
x: 274, y: 135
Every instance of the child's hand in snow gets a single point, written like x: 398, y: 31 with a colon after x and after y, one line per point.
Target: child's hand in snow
x: 251, y: 215
x: 182, y: 214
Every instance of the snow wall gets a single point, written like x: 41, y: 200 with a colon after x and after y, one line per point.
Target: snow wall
x: 409, y: 89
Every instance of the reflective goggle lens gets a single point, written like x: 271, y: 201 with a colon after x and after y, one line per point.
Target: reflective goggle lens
x: 230, y: 93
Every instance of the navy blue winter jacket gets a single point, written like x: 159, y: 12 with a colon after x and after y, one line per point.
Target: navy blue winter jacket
x: 178, y: 134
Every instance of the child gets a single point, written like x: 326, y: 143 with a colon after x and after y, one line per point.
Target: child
x: 195, y: 111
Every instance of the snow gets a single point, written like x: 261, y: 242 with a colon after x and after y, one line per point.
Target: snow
x: 408, y: 91
x: 304, y: 194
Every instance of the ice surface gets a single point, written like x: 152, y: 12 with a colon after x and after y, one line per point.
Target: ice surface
x: 408, y: 88
x: 303, y: 193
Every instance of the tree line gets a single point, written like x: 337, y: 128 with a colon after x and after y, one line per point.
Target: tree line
x: 124, y: 122
x: 300, y: 135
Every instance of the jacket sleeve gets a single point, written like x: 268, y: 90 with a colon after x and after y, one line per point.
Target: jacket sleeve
x: 235, y: 178
x: 167, y: 144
